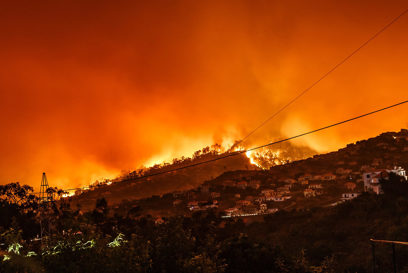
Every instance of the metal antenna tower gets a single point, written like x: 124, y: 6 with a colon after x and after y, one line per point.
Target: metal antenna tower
x: 45, y: 211
x: 44, y: 195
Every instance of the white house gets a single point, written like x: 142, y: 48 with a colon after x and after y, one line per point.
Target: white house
x: 260, y: 199
x: 232, y: 212
x: 372, y: 179
x: 349, y: 195
x: 278, y: 198
x: 309, y: 193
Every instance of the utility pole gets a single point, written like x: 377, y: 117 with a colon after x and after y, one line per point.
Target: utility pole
x: 392, y: 243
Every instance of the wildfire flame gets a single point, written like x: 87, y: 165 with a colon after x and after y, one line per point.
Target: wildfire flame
x: 68, y: 194
x: 266, y: 158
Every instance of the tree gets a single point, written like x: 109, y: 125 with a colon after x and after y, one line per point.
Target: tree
x: 394, y: 185
x: 14, y: 193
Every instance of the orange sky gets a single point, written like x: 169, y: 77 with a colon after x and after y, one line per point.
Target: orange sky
x: 90, y: 88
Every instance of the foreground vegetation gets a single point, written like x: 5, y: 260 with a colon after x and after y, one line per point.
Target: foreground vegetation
x: 334, y: 239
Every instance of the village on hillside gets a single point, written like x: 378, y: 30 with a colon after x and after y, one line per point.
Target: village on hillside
x: 320, y: 181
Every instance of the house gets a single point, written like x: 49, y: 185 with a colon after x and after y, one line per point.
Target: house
x: 350, y: 186
x: 305, y: 177
x: 376, y: 162
x: 280, y: 198
x: 158, y: 221
x: 343, y: 171
x: 250, y: 198
x: 268, y: 192
x: 255, y: 184
x: 393, y: 149
x: 228, y: 183
x: 283, y: 190
x: 270, y: 211
x: 232, y: 212
x: 315, y: 186
x: 177, y: 202
x: 329, y: 177
x: 309, y: 193
x: 382, y: 144
x: 372, y: 179
x: 242, y: 185
x: 290, y: 181
x: 194, y: 208
x: 193, y: 205
x: 365, y: 168
x: 215, y: 195
x: 317, y: 177
x: 177, y: 194
x: 211, y: 205
x: 349, y: 196
x: 344, y: 177
x: 251, y: 209
x: 243, y: 203
x: 260, y: 199
x: 272, y: 198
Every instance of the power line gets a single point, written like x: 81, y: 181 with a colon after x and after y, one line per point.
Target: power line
x: 262, y: 146
x: 286, y: 106
x: 321, y: 78
x: 269, y: 144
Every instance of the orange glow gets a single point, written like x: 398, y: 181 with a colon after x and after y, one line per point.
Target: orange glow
x: 252, y: 156
x: 91, y: 89
x: 265, y: 158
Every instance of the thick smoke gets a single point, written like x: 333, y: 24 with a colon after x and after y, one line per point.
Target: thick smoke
x: 90, y: 88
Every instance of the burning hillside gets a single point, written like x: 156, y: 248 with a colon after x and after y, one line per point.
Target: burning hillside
x: 177, y: 175
x: 286, y: 152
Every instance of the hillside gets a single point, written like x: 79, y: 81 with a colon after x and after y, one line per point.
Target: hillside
x: 191, y: 229
x: 321, y: 181
x: 332, y: 173
x: 132, y: 187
